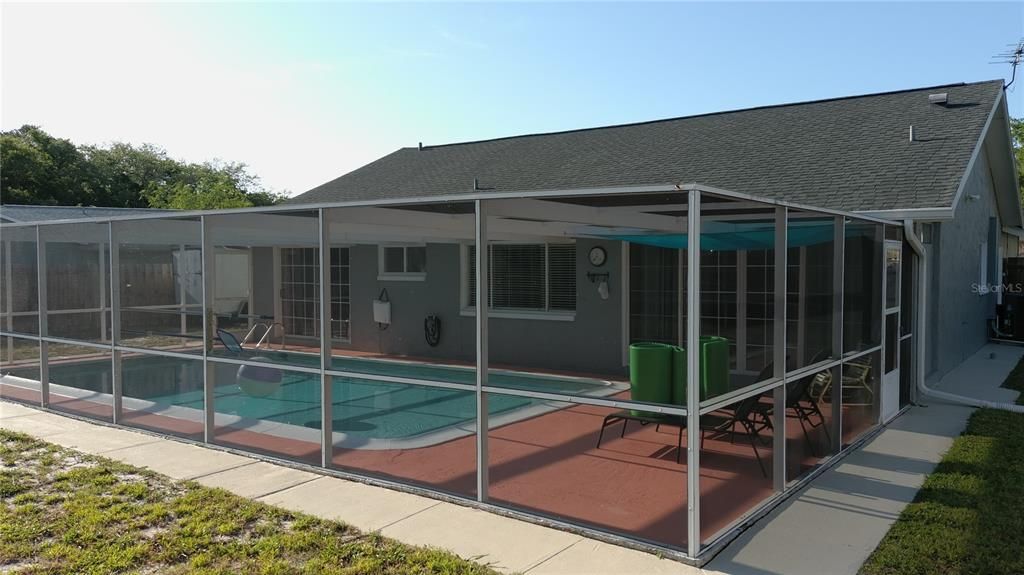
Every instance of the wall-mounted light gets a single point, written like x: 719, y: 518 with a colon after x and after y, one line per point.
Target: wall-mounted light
x: 601, y: 279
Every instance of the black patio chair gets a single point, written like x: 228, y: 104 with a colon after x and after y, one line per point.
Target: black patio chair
x: 645, y: 418
x: 742, y: 414
x: 800, y: 403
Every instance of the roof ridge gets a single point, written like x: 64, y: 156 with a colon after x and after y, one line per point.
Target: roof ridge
x: 704, y: 115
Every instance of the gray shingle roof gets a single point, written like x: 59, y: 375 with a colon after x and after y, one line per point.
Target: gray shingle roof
x: 20, y: 213
x: 849, y: 153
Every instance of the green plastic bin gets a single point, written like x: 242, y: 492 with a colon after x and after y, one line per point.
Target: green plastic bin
x: 650, y: 377
x: 714, y: 366
x: 714, y: 369
x: 678, y: 376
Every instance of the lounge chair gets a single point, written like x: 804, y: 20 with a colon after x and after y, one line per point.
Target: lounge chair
x: 742, y: 414
x: 800, y: 404
x: 718, y: 423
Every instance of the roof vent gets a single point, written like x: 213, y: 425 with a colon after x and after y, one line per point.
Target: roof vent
x: 940, y: 99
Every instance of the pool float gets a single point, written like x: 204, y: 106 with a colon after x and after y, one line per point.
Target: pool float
x: 258, y: 380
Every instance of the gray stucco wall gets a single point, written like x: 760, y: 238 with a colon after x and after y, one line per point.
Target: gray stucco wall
x: 958, y: 316
x: 590, y: 343
x: 263, y: 282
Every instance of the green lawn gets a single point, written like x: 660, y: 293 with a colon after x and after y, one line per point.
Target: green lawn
x: 65, y: 512
x: 969, y: 515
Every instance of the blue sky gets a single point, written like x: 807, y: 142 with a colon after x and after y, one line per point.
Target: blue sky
x: 306, y: 92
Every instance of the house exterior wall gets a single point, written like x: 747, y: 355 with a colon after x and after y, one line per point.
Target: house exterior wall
x: 590, y: 343
x: 263, y: 282
x: 958, y: 315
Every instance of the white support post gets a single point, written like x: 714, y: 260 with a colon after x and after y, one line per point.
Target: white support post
x: 278, y: 304
x: 482, y: 301
x: 693, y: 374
x: 880, y: 371
x: 779, y: 353
x: 209, y: 271
x: 182, y: 289
x: 9, y: 298
x: 115, y: 320
x: 838, y: 287
x: 326, y: 381
x: 103, y: 289
x: 44, y: 352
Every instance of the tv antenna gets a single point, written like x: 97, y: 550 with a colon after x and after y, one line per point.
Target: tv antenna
x: 1014, y: 56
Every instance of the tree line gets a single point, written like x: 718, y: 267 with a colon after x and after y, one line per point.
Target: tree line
x: 37, y: 168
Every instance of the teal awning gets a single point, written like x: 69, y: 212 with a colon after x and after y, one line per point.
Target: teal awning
x: 735, y: 236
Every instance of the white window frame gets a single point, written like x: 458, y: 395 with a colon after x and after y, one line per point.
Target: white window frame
x: 403, y: 275
x: 512, y: 313
x: 278, y: 279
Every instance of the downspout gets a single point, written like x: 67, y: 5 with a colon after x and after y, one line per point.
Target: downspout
x: 922, y: 289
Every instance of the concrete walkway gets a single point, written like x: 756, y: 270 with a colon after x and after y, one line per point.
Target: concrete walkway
x: 506, y: 544
x: 832, y: 526
x: 836, y: 522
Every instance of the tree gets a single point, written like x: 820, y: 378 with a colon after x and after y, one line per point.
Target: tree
x: 37, y: 168
x: 41, y: 169
x: 128, y: 173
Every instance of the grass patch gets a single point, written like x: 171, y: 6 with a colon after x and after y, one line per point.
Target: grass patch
x: 66, y: 512
x: 1015, y: 381
x: 968, y: 516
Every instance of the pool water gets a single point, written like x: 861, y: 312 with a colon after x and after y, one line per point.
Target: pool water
x: 363, y: 408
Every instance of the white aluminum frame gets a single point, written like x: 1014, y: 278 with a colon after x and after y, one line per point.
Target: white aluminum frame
x: 696, y: 549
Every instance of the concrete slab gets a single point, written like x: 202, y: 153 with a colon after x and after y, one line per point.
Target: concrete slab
x: 472, y: 534
x: 45, y: 425
x: 8, y: 409
x: 589, y: 557
x: 178, y: 460
x: 257, y: 479
x: 98, y: 440
x: 363, y: 506
x: 975, y: 376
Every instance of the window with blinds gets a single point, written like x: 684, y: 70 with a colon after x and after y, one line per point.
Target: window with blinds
x: 535, y: 277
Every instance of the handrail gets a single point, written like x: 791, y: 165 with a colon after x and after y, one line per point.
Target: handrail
x: 266, y: 334
x: 253, y: 328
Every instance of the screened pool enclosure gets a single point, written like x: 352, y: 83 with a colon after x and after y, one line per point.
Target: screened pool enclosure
x: 351, y: 338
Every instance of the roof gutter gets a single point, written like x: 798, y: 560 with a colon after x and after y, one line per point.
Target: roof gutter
x: 917, y: 214
x: 918, y: 246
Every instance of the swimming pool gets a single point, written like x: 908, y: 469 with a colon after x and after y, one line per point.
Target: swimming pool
x: 366, y: 412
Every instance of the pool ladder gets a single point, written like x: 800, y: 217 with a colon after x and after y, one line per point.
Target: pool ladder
x: 265, y: 338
